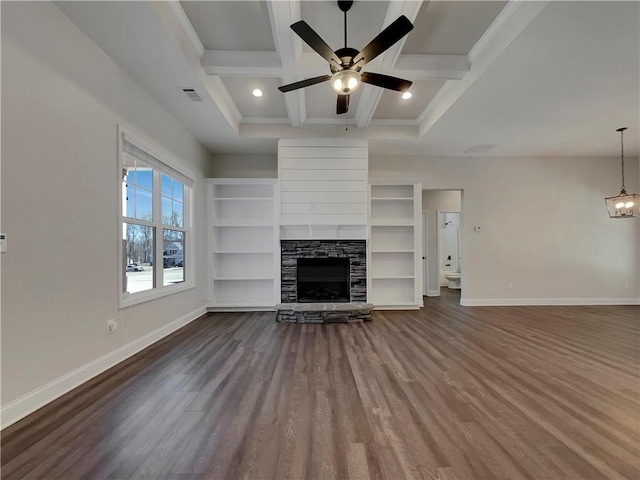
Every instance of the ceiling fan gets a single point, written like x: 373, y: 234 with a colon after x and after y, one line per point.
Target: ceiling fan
x: 346, y: 63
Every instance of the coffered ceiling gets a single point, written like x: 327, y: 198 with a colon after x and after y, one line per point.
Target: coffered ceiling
x: 487, y: 72
x: 249, y: 45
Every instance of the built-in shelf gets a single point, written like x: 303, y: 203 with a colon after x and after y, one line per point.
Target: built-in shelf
x: 236, y: 279
x: 395, y: 252
x: 244, y: 240
x: 389, y: 190
x: 392, y: 222
x: 242, y: 223
x: 253, y: 199
x: 392, y: 277
x: 392, y: 199
x: 392, y: 250
x: 242, y: 252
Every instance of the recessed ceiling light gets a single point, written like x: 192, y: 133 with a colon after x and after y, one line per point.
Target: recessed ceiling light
x: 257, y: 92
x: 406, y: 95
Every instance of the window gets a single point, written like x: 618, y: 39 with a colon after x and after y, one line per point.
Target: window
x: 156, y: 212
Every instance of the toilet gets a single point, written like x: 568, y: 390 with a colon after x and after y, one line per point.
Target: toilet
x: 454, y: 279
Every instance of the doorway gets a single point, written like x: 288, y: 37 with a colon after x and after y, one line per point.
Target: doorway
x: 441, y: 207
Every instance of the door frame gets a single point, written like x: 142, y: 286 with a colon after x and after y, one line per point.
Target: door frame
x: 425, y: 253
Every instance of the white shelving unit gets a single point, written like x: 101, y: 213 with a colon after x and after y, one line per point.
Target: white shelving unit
x: 243, y: 242
x: 395, y: 276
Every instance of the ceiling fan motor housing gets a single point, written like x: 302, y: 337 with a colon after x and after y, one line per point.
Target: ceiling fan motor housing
x: 346, y: 55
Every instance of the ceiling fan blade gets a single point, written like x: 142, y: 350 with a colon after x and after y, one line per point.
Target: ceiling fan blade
x: 311, y: 38
x: 385, y: 39
x: 385, y: 81
x: 304, y: 83
x: 343, y: 104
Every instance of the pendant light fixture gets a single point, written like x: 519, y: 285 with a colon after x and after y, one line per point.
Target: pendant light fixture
x: 623, y: 205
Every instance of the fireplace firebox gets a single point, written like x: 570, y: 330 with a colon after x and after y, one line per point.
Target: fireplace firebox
x: 323, y: 280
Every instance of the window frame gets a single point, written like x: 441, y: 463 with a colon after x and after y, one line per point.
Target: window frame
x: 168, y: 165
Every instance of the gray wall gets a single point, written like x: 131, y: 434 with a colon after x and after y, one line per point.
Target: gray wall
x: 545, y: 225
x: 62, y: 100
x: 243, y: 166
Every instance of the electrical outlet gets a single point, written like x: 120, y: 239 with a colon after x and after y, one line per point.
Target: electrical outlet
x: 477, y: 229
x: 510, y: 285
x: 112, y: 326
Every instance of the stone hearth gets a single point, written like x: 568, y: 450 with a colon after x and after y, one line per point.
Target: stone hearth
x: 324, y: 312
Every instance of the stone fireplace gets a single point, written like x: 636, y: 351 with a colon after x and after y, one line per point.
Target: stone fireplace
x: 353, y: 250
x: 324, y: 281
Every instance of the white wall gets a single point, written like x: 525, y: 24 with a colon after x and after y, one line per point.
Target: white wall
x: 432, y: 202
x: 323, y: 181
x: 62, y: 99
x: 545, y: 226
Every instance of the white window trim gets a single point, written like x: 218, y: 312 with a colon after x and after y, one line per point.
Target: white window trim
x: 129, y: 299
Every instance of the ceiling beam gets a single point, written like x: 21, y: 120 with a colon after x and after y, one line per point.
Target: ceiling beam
x: 281, y: 16
x: 274, y: 130
x: 268, y: 64
x: 507, y: 26
x: 371, y: 95
x: 425, y: 67
x: 193, y: 49
x: 234, y: 63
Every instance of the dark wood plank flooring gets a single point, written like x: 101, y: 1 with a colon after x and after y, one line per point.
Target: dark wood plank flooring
x: 447, y: 392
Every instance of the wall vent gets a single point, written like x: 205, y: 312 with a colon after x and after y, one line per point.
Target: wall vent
x: 481, y: 148
x: 191, y: 93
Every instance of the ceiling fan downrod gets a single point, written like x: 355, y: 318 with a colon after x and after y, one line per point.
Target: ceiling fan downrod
x: 345, y: 6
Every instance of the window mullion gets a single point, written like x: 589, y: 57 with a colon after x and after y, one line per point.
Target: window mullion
x: 135, y: 221
x: 157, y: 220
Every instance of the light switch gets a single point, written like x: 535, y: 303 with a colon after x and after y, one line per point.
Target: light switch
x: 477, y: 228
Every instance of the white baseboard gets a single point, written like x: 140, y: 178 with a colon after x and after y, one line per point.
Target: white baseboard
x: 433, y: 293
x: 242, y: 309
x: 38, y: 398
x: 396, y: 307
x: 499, y: 302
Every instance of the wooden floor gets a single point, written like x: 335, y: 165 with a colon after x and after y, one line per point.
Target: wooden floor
x: 447, y: 392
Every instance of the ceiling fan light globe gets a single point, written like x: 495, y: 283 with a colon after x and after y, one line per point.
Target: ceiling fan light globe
x: 345, y: 82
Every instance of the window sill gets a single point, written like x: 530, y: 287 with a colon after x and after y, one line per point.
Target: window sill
x: 130, y: 299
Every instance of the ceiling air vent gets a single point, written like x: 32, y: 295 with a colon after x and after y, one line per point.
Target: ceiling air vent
x: 481, y: 148
x: 191, y: 93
